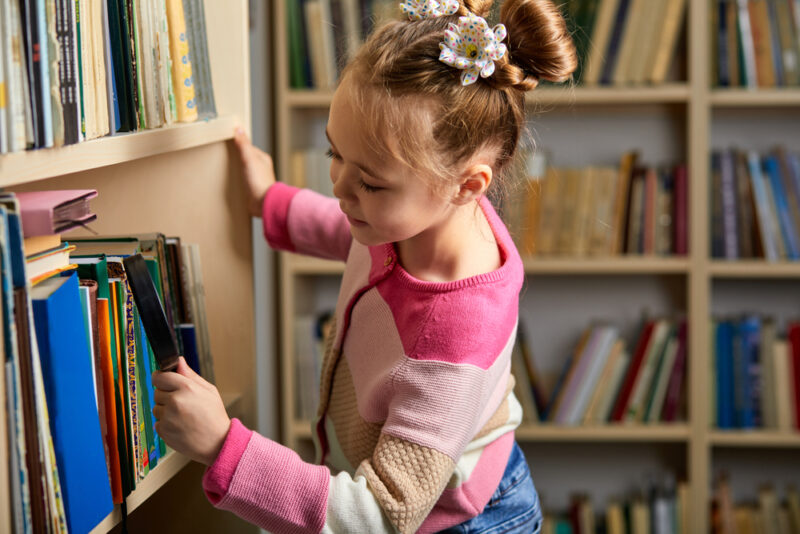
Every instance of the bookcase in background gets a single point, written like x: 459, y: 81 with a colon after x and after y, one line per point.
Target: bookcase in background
x: 182, y: 180
x: 679, y: 120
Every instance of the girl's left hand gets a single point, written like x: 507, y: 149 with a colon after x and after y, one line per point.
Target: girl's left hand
x: 190, y: 414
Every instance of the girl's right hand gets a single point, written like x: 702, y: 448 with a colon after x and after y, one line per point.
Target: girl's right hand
x: 258, y: 171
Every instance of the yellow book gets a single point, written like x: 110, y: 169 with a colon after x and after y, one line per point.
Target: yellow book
x: 602, y: 223
x: 181, y: 63
x: 759, y: 26
x: 667, y: 38
x: 615, y: 521
x: 550, y: 212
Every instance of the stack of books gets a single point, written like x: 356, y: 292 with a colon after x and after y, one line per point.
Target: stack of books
x: 756, y: 379
x: 625, y: 42
x: 755, y: 205
x: 601, y: 211
x: 75, y: 70
x: 604, y: 382
x: 768, y: 514
x: 756, y: 43
x: 76, y: 383
x: 659, y: 509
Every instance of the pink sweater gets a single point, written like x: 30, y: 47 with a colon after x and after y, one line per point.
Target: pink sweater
x: 416, y: 416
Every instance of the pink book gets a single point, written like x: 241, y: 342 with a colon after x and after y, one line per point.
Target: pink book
x: 54, y: 212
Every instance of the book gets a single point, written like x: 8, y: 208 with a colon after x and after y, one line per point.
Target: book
x: 55, y: 211
x: 767, y: 232
x: 667, y: 40
x: 601, y: 35
x: 793, y: 335
x: 677, y: 377
x: 725, y: 399
x: 644, y: 378
x: 180, y: 55
x: 201, y: 65
x: 48, y: 263
x: 624, y: 394
x: 762, y: 43
x: 784, y: 385
x: 786, y: 219
x: 66, y: 365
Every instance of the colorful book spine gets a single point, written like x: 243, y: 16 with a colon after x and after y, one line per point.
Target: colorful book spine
x: 181, y: 63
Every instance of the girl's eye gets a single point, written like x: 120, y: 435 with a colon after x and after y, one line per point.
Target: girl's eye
x: 369, y: 188
x: 332, y: 155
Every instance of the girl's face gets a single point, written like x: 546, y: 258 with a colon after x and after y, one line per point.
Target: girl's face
x: 384, y: 200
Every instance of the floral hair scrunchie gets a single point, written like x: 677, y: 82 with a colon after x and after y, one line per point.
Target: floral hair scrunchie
x: 428, y: 9
x: 472, y: 47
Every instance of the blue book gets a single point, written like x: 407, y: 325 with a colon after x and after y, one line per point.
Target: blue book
x: 148, y: 381
x: 749, y: 373
x: 69, y: 387
x: 725, y: 392
x: 723, y: 73
x: 787, y: 228
x: 188, y: 337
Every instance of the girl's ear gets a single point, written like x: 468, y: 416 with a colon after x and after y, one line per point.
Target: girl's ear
x: 475, y: 181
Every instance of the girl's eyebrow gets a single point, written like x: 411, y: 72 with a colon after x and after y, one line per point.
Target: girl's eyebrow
x: 363, y: 167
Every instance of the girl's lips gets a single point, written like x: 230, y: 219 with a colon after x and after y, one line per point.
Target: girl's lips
x: 355, y: 222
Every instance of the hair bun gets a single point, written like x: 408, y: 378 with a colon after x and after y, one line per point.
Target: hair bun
x: 478, y: 7
x: 539, y: 45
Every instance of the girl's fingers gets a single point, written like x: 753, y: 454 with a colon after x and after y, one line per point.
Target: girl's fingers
x: 158, y: 411
x: 168, y: 381
x: 160, y: 396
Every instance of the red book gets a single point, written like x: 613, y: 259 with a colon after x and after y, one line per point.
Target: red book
x: 633, y: 370
x: 671, y: 403
x: 794, y: 356
x: 680, y: 219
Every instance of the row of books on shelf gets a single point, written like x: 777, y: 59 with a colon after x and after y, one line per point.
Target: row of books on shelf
x: 755, y: 204
x: 603, y: 381
x: 600, y: 211
x: 768, y: 514
x: 76, y: 380
x: 75, y: 70
x: 324, y: 34
x: 756, y: 43
x: 658, y: 509
x: 311, y: 168
x: 625, y: 42
x: 755, y: 374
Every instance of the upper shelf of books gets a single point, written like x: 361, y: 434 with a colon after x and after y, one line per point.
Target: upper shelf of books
x: 114, y: 83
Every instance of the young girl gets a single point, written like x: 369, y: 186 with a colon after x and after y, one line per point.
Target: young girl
x: 415, y: 428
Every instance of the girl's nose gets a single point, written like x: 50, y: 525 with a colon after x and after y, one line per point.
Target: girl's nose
x: 341, y: 186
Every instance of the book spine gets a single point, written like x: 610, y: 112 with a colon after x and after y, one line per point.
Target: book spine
x: 676, y: 379
x: 41, y: 42
x: 781, y: 197
x: 766, y: 230
x: 794, y: 356
x: 181, y: 63
x: 748, y: 48
x: 68, y: 70
x: 730, y: 236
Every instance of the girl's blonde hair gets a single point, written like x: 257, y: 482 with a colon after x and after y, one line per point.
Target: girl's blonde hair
x: 401, y: 86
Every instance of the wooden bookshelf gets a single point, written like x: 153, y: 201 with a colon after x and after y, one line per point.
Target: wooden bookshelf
x: 181, y: 180
x: 690, y: 105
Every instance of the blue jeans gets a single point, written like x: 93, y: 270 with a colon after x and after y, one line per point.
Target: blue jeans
x: 513, y: 508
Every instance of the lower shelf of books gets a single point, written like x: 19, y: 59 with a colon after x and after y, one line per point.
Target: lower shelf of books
x: 170, y: 466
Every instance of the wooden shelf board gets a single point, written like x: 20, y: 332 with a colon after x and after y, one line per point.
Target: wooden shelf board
x: 167, y: 468
x: 755, y: 438
x: 31, y: 165
x: 672, y: 93
x: 612, y: 265
x: 604, y: 433
x: 755, y: 97
x: 553, y: 433
x: 299, y: 264
x: 755, y: 269
x: 305, y: 265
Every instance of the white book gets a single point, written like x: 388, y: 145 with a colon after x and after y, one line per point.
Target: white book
x: 588, y: 384
x: 604, y: 382
x: 746, y: 41
x: 16, y: 96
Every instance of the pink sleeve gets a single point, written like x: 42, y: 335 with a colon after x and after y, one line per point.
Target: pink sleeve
x: 267, y: 484
x: 300, y: 220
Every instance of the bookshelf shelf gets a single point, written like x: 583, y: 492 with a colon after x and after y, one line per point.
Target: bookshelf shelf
x: 28, y: 166
x: 166, y: 469
x: 553, y: 95
x: 755, y: 438
x: 732, y: 98
x: 610, y: 266
x: 607, y: 433
x: 754, y: 269
x: 304, y: 265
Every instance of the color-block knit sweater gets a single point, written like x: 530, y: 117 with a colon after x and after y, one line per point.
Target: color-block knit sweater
x: 416, y: 417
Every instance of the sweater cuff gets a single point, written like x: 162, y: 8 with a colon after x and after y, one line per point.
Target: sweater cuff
x: 217, y: 478
x: 275, y: 215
